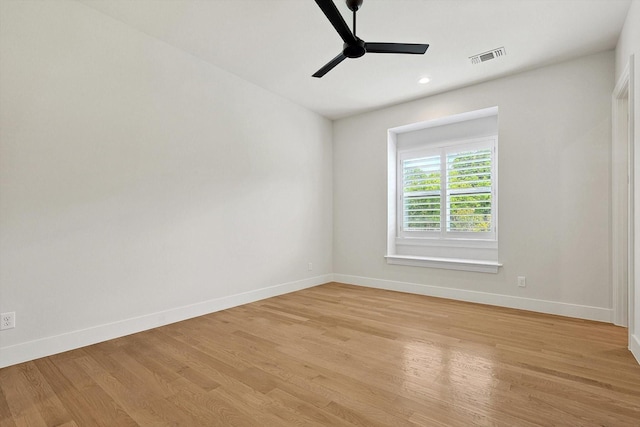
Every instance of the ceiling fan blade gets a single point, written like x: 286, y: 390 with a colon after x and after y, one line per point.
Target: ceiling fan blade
x: 330, y: 65
x: 331, y: 11
x: 412, y: 48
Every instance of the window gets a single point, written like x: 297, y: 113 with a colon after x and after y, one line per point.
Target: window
x: 447, y: 192
x: 443, y: 193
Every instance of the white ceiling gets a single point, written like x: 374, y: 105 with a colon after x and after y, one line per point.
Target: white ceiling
x: 279, y: 44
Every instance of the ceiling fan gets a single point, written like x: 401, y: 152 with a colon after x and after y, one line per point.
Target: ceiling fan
x: 354, y: 46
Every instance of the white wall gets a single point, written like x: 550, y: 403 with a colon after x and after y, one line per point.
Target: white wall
x: 554, y: 185
x: 140, y: 185
x: 629, y: 44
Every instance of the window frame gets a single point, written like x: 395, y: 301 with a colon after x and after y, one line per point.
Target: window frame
x: 456, y: 252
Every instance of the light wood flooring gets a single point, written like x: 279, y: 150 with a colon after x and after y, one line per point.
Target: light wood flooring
x: 338, y: 355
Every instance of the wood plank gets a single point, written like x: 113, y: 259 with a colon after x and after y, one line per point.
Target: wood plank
x: 339, y: 355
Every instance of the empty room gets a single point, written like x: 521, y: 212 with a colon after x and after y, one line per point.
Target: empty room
x: 319, y: 212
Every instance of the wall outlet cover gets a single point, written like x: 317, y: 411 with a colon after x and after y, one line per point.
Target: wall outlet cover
x: 7, y: 320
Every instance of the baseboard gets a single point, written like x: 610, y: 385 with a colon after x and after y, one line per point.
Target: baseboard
x: 634, y: 346
x: 31, y: 350
x: 541, y: 306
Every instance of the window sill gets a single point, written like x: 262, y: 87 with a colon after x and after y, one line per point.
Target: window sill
x: 445, y: 263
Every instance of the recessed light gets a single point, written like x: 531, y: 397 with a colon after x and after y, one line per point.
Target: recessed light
x: 424, y: 80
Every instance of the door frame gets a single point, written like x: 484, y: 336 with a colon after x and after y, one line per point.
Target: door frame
x: 621, y: 201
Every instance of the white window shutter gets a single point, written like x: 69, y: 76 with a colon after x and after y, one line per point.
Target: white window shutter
x: 468, y: 191
x: 448, y: 192
x: 421, y: 190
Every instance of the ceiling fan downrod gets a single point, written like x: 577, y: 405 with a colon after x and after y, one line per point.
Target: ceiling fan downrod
x: 354, y: 5
x: 357, y: 48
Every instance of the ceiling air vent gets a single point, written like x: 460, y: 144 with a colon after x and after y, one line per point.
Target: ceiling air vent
x: 488, y: 56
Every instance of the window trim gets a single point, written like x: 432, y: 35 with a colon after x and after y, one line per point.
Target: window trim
x: 479, y: 255
x: 480, y: 266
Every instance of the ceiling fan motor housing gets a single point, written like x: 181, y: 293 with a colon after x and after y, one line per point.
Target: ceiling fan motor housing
x: 354, y: 50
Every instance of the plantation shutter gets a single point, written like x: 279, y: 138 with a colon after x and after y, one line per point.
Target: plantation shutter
x: 468, y: 190
x: 448, y: 192
x: 421, y: 190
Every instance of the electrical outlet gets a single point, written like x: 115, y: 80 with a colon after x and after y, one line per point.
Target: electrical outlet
x: 7, y: 320
x: 310, y: 266
x: 522, y: 281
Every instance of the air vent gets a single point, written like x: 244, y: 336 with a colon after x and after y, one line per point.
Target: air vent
x: 488, y: 56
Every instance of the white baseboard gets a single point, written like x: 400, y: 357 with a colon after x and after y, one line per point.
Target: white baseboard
x: 541, y: 306
x: 31, y: 350
x: 634, y: 346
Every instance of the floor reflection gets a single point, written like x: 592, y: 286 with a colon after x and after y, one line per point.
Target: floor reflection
x: 448, y: 372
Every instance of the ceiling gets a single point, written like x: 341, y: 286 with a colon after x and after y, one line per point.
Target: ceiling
x: 279, y: 44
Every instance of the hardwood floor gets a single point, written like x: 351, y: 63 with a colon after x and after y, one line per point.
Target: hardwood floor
x: 338, y: 355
